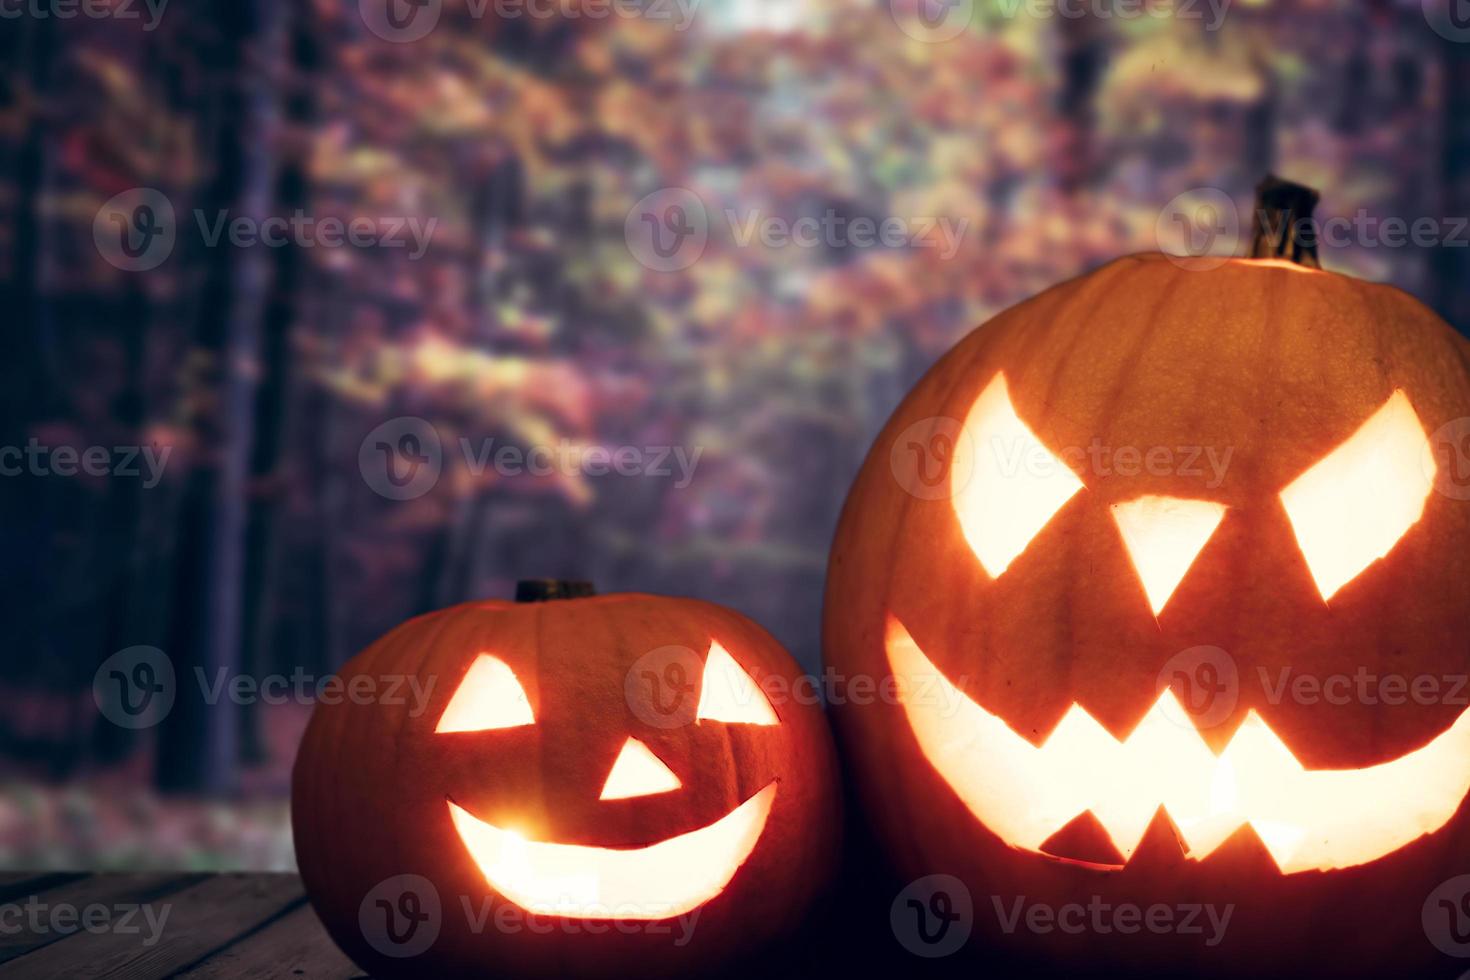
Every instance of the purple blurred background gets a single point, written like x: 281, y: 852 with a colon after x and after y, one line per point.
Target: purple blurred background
x: 579, y: 288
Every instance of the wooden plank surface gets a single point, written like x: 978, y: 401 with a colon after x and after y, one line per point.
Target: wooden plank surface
x: 294, y: 946
x: 176, y: 931
x: 18, y: 884
x: 41, y: 916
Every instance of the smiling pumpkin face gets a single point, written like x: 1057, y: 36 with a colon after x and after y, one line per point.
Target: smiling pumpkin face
x: 1174, y: 611
x: 606, y: 777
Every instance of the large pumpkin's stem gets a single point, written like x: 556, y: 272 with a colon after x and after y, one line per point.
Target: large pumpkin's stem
x: 1283, y: 227
x: 546, y: 589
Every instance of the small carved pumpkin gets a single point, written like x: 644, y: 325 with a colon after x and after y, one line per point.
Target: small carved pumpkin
x: 610, y: 785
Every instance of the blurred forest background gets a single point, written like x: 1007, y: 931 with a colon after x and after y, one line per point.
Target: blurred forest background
x: 263, y: 549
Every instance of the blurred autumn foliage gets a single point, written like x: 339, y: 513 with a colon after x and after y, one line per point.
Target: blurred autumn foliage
x: 529, y: 320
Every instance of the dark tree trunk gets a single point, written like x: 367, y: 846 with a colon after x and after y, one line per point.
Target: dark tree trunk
x: 30, y: 54
x: 1357, y: 76
x: 27, y: 387
x: 329, y: 448
x: 197, y: 748
x: 1083, y: 59
x: 497, y: 209
x: 1452, y: 265
x: 123, y: 548
x: 28, y: 393
x: 278, y: 386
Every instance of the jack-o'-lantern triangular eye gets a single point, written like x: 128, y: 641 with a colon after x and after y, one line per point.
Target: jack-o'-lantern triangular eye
x: 727, y: 693
x: 1006, y: 484
x: 489, y: 697
x: 1354, y: 504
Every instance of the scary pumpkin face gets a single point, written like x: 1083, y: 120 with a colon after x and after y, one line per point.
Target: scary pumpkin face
x: 606, y: 777
x: 1173, y: 609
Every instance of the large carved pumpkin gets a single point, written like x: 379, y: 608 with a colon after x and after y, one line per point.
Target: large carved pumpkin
x: 612, y: 785
x: 1175, y: 617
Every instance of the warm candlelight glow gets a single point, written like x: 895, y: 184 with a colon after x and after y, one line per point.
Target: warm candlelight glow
x: 489, y: 697
x: 1308, y: 819
x: 638, y: 772
x: 1354, y: 504
x: 1163, y: 536
x: 663, y: 880
x: 1006, y: 483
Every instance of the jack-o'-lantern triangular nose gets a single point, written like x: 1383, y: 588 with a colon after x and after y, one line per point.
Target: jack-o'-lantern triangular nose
x: 638, y: 772
x: 1164, y: 535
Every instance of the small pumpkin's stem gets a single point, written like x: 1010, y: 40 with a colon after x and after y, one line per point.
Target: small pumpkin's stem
x: 547, y: 589
x: 1283, y: 227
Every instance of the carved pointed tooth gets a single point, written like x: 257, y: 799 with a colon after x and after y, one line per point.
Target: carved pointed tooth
x: 1244, y: 854
x: 1084, y: 839
x: 1161, y: 846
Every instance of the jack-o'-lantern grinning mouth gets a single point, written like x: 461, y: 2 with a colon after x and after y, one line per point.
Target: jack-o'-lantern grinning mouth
x: 1307, y: 819
x: 660, y: 881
